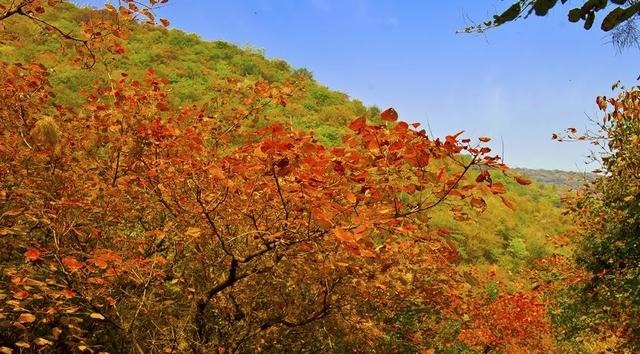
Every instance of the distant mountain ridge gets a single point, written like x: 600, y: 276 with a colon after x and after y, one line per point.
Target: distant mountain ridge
x: 560, y: 178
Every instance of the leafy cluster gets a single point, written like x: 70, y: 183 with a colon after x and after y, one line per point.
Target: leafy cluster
x: 620, y: 17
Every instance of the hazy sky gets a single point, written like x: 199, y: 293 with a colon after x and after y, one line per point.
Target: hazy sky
x: 521, y: 82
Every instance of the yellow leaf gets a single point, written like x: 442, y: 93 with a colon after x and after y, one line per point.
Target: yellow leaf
x: 96, y: 316
x: 42, y: 342
x: 22, y: 344
x: 193, y: 232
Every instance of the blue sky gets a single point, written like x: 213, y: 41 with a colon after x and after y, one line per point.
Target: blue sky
x: 520, y: 83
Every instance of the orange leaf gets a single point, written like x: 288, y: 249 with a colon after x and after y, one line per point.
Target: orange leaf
x: 68, y: 293
x: 389, y: 115
x: 358, y: 124
x: 165, y: 22
x: 20, y: 295
x: 478, y: 204
x: 26, y: 318
x: 32, y: 254
x: 100, y: 263
x: 507, y: 203
x: 452, y: 138
x: 367, y: 254
x: 484, y: 139
x: 94, y: 280
x: 71, y: 263
x: 343, y: 235
x: 523, y: 181
x: 498, y: 188
x: 322, y: 218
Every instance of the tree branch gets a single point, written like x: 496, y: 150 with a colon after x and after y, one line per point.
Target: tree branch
x: 284, y: 204
x: 445, y: 195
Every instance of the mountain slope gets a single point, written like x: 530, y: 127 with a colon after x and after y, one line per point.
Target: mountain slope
x: 194, y: 68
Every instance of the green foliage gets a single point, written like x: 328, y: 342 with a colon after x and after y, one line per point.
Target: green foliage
x: 193, y: 67
x: 511, y: 239
x: 518, y: 248
x: 619, y: 17
x: 608, y: 215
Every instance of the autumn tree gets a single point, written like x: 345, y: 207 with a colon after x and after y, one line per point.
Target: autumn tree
x: 606, y: 211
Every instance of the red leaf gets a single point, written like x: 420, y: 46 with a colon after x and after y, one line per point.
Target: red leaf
x: 484, y: 139
x: 100, y: 263
x: 478, y: 204
x: 162, y: 106
x: 72, y: 264
x: 20, y: 295
x: 68, y: 293
x: 32, y: 254
x: 358, y: 124
x: 389, y: 115
x: 482, y: 177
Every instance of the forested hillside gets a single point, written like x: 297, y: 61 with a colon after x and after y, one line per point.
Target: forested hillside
x: 193, y: 68
x: 165, y: 194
